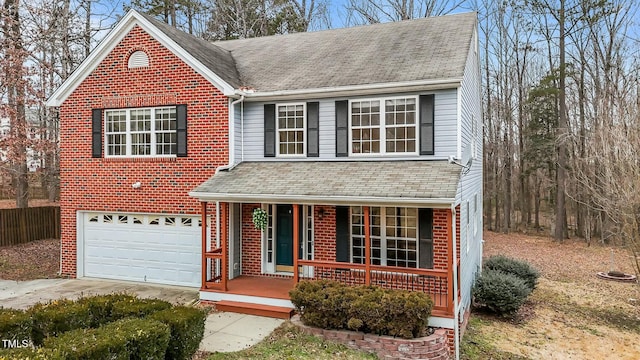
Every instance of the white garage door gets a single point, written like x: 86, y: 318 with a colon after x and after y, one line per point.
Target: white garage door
x: 163, y: 249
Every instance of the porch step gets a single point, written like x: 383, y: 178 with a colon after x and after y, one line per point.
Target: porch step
x: 278, y: 312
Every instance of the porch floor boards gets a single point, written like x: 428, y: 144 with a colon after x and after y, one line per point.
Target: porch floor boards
x: 261, y: 286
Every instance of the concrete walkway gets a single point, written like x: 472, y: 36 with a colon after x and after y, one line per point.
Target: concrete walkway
x: 224, y: 332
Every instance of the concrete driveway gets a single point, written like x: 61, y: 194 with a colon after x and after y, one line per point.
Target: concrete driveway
x: 224, y: 332
x: 23, y: 294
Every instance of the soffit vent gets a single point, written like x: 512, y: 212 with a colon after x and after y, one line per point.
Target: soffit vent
x: 138, y: 59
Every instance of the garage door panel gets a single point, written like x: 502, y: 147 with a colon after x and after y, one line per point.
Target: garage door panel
x: 154, y: 248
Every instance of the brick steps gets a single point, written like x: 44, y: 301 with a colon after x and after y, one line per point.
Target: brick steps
x: 278, y: 312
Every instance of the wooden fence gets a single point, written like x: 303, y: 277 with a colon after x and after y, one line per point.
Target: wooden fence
x: 19, y: 226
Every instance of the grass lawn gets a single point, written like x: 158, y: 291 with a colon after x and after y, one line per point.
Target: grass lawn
x: 288, y: 342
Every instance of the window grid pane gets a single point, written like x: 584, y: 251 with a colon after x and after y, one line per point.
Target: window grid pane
x: 400, y: 121
x: 140, y: 123
x: 365, y: 127
x: 166, y: 137
x: 116, y: 132
x: 397, y: 245
x: 290, y: 129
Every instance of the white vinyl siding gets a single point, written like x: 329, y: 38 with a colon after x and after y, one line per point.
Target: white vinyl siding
x: 445, y: 129
x: 470, y: 186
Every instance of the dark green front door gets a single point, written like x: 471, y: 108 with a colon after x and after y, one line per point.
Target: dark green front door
x: 284, y: 238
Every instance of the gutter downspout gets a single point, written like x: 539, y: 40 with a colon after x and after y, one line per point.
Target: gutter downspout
x: 232, y: 164
x: 456, y: 326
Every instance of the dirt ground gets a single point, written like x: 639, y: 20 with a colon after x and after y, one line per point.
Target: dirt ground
x: 572, y: 314
x: 10, y: 204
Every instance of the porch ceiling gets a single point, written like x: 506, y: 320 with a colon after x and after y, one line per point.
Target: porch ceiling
x: 431, y: 183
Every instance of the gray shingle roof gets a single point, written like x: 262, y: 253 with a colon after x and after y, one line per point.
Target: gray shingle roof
x: 433, y: 48
x: 213, y: 57
x: 415, y: 181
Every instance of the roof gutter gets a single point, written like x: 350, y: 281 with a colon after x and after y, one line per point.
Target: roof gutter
x: 367, y: 89
x: 439, y: 203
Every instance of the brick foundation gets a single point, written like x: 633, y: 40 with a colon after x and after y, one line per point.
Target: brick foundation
x: 432, y: 347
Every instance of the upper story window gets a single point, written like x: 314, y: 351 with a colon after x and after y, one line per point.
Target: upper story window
x: 291, y: 134
x: 141, y: 132
x: 383, y: 126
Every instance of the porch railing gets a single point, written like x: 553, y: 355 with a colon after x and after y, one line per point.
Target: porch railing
x: 432, y: 282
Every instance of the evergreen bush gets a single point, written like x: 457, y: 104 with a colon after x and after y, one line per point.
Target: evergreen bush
x: 500, y: 292
x: 519, y: 268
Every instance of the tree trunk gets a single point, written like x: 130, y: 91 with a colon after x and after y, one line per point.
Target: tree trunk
x: 561, y: 212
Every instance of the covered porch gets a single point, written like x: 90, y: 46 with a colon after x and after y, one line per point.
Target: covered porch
x: 384, y: 237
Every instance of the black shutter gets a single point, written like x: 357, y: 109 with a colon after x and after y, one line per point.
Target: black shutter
x: 181, y: 130
x: 342, y: 128
x: 313, y: 134
x: 426, y: 124
x: 96, y: 133
x: 425, y: 245
x: 342, y: 234
x: 269, y: 130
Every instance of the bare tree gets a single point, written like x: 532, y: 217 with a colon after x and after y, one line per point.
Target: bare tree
x: 377, y: 11
x: 14, y: 100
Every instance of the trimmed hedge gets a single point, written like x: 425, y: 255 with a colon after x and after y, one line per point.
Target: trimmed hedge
x: 500, y: 292
x: 15, y: 325
x: 138, y: 307
x: 370, y: 309
x: 25, y: 354
x: 519, y: 268
x: 123, y: 339
x: 117, y: 326
x: 187, y: 330
x: 57, y: 317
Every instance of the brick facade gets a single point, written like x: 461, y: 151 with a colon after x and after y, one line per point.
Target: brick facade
x: 103, y: 184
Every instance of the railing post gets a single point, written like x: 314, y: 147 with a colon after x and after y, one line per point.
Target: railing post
x: 450, y: 263
x: 367, y: 247
x: 223, y: 244
x: 296, y: 242
x: 204, y: 243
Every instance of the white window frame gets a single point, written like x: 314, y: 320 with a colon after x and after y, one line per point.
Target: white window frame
x: 383, y: 127
x: 128, y: 133
x: 383, y: 235
x: 304, y: 130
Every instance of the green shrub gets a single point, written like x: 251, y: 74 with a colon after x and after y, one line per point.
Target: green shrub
x: 370, y: 309
x: 15, y: 325
x: 25, y: 354
x: 57, y: 317
x: 323, y: 303
x: 187, y: 330
x: 500, y: 292
x: 100, y: 307
x: 138, y: 307
x: 123, y: 339
x: 519, y: 268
